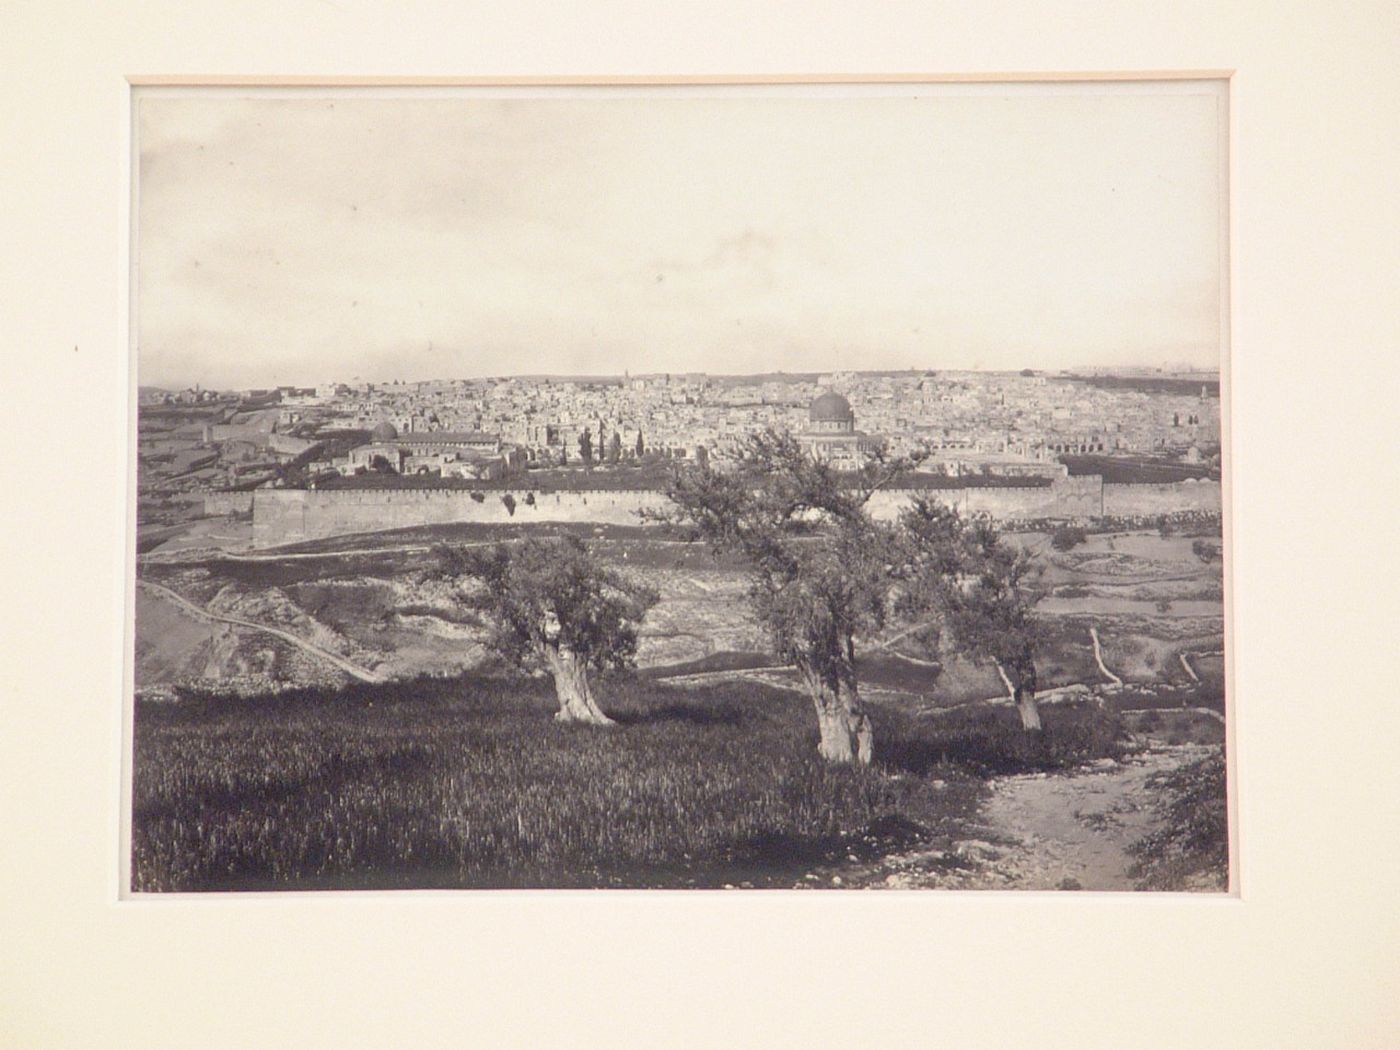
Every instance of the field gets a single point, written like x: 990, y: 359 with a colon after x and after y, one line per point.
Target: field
x: 274, y: 769
x: 469, y: 782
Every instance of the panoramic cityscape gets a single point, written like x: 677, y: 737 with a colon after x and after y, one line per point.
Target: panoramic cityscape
x: 202, y: 452
x: 287, y: 541
x: 645, y: 489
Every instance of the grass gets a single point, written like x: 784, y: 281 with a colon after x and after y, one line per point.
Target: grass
x: 987, y: 741
x: 1175, y: 727
x: 728, y: 660
x: 470, y: 783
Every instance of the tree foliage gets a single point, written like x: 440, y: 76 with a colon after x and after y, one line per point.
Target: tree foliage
x: 979, y: 589
x: 1067, y: 537
x: 552, y: 594
x: 1207, y: 552
x: 993, y: 612
x: 819, y: 566
x: 824, y: 575
x: 554, y: 606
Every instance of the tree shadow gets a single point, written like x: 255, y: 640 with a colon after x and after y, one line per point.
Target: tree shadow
x: 911, y: 754
x: 709, y: 714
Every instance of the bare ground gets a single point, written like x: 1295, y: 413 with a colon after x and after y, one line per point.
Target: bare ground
x: 1037, y: 832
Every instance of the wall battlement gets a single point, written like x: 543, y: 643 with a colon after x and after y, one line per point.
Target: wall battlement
x: 293, y: 515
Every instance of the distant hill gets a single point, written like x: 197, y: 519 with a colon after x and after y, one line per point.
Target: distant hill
x: 1151, y: 384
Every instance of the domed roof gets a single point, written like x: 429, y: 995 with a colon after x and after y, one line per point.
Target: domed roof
x: 383, y: 432
x: 831, y: 408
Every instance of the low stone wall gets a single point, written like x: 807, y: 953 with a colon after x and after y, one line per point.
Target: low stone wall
x: 292, y: 515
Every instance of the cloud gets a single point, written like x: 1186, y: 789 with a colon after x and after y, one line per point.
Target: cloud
x: 317, y: 237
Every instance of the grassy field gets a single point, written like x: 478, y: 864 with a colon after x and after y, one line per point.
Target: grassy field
x: 469, y: 782
x: 288, y: 778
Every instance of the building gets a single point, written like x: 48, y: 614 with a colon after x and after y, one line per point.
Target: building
x: 470, y: 453
x: 831, y: 435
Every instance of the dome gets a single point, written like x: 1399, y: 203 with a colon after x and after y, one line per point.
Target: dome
x: 831, y: 408
x: 383, y: 432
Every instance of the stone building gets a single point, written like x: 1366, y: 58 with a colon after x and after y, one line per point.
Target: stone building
x: 470, y: 453
x: 831, y: 435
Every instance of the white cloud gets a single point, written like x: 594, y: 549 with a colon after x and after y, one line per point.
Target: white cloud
x: 288, y: 240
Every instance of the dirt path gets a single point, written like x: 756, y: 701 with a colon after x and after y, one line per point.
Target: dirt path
x: 272, y: 554
x: 354, y: 670
x: 1068, y: 832
x: 212, y: 554
x: 1040, y: 832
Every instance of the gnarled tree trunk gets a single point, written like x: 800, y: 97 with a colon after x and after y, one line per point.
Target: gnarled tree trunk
x: 576, y: 703
x: 1022, y: 693
x: 847, y: 735
x: 1030, y: 713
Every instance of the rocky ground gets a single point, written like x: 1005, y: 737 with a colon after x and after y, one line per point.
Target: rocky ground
x: 1067, y: 831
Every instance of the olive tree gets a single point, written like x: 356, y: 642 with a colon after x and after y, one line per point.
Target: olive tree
x: 819, y: 567
x: 979, y: 589
x: 554, y: 607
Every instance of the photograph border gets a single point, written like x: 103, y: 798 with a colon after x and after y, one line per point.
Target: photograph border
x: 311, y: 83
x: 1304, y: 957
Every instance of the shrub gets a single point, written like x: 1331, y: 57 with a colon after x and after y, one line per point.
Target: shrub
x: 990, y: 741
x: 1191, y: 848
x: 1207, y: 552
x: 508, y: 501
x: 1067, y: 537
x: 478, y: 497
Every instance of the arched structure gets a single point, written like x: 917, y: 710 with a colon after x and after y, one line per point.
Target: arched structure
x: 831, y: 435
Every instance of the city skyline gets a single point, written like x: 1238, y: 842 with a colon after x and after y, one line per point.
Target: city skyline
x: 293, y: 240
x: 1167, y: 370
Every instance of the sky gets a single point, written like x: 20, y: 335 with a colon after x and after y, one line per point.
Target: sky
x: 301, y: 238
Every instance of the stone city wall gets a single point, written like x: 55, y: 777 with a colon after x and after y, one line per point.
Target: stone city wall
x: 1127, y: 501
x: 1077, y: 498
x: 217, y: 504
x: 292, y: 515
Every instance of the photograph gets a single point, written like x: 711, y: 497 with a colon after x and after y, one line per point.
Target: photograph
x: 773, y: 485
